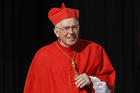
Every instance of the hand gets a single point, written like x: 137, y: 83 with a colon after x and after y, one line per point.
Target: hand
x: 82, y: 80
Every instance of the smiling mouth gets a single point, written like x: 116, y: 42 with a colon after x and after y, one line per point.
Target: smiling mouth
x: 72, y: 37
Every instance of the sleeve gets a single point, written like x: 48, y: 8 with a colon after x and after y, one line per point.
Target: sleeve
x: 105, y: 72
x: 99, y: 86
x: 32, y: 79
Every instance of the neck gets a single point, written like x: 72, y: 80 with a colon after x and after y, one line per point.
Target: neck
x: 67, y: 48
x: 63, y: 43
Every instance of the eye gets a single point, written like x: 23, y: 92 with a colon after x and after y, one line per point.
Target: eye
x: 66, y: 28
x: 74, y: 27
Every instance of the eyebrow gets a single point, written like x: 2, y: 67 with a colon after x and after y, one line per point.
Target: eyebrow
x: 72, y: 25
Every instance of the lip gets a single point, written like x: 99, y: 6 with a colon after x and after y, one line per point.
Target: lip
x: 71, y: 37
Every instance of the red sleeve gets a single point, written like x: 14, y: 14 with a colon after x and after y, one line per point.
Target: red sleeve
x: 105, y: 71
x: 32, y: 80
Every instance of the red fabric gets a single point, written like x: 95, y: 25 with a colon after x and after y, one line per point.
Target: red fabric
x: 58, y: 14
x: 52, y: 72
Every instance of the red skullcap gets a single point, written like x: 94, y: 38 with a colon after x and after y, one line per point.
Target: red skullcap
x: 58, y: 14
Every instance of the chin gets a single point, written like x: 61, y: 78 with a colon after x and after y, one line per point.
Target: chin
x: 70, y: 43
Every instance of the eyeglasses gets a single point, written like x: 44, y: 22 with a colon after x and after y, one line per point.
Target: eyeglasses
x: 67, y: 28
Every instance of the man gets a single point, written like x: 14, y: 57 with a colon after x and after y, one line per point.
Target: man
x: 70, y: 65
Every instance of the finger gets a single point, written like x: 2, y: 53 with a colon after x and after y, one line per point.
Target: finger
x: 78, y: 77
x: 83, y: 85
x: 81, y: 75
x: 80, y: 83
x: 79, y: 80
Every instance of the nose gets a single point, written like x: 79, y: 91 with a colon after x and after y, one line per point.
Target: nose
x: 71, y: 31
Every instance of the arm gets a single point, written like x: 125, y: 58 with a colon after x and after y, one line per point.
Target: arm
x: 32, y: 80
x: 105, y: 72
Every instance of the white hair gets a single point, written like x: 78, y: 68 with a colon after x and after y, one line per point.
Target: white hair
x: 58, y: 24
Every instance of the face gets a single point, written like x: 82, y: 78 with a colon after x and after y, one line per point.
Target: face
x: 67, y: 31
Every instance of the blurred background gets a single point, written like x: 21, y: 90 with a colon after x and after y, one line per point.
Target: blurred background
x: 25, y: 27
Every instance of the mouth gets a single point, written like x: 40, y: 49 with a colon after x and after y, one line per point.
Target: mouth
x: 72, y: 38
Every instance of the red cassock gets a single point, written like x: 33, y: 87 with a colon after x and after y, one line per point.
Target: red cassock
x: 51, y: 70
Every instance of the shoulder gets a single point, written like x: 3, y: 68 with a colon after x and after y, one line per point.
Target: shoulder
x: 90, y: 44
x: 45, y: 49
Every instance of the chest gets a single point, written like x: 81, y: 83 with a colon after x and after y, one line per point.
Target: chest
x: 59, y: 62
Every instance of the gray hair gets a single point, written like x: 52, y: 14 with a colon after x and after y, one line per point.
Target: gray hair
x: 58, y: 24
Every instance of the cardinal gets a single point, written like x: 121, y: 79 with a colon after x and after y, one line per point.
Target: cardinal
x: 70, y: 64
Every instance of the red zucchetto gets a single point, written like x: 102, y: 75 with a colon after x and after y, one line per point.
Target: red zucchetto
x: 58, y: 14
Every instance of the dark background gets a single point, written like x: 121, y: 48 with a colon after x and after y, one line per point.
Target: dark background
x: 25, y: 27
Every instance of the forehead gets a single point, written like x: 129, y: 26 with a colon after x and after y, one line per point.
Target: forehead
x: 69, y: 22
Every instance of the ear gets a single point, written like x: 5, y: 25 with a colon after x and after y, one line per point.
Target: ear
x: 56, y: 32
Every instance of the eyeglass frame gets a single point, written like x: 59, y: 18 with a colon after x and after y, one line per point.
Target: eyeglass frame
x: 68, y: 29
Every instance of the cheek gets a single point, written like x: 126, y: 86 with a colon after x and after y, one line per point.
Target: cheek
x: 77, y: 33
x: 62, y: 35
